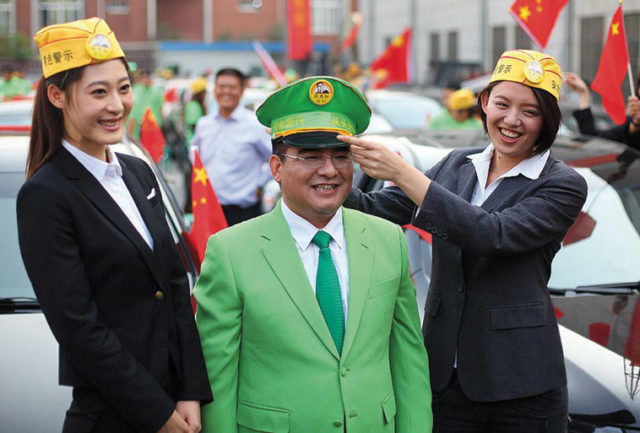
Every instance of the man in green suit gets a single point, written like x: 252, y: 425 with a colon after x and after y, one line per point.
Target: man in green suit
x: 307, y: 315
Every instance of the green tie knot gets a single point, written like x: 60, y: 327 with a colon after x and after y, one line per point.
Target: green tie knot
x: 321, y: 239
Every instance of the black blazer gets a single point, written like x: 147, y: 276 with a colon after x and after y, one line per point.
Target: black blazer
x: 121, y: 312
x: 488, y: 299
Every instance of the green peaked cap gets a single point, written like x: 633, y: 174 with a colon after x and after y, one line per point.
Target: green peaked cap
x: 317, y: 104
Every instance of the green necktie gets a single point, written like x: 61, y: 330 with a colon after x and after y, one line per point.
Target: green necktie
x: 328, y: 290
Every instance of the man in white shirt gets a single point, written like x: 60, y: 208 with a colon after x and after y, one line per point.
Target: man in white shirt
x: 234, y: 149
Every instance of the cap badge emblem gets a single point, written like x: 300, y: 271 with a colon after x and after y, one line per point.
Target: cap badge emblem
x: 321, y: 92
x: 99, y: 46
x: 533, y: 71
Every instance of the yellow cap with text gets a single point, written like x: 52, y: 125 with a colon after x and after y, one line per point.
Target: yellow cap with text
x: 462, y: 99
x: 531, y: 68
x: 75, y: 44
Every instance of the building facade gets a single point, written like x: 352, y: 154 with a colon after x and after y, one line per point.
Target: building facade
x: 144, y: 27
x: 473, y: 33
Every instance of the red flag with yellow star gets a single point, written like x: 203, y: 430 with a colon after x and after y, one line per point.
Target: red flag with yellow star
x: 612, y: 69
x: 151, y: 136
x: 394, y: 65
x: 207, y: 212
x: 537, y: 18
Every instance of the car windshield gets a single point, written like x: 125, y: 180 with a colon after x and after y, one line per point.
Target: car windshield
x: 406, y: 112
x: 604, y: 243
x: 13, y: 277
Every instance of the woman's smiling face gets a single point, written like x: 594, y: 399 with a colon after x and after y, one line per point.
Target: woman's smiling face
x: 514, y: 120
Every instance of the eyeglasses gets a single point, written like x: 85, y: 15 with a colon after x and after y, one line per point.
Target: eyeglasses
x: 315, y: 162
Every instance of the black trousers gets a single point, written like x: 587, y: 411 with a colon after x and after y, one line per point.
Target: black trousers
x: 453, y: 412
x: 236, y: 214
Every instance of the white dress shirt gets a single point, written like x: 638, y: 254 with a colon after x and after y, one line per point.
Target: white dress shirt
x: 530, y: 167
x: 303, y: 232
x: 234, y: 151
x: 109, y: 174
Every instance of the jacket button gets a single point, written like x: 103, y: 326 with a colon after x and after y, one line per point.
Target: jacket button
x: 159, y: 295
x: 461, y: 288
x: 337, y: 423
x: 343, y: 372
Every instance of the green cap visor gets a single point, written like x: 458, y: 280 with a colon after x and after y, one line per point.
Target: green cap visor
x: 312, y: 140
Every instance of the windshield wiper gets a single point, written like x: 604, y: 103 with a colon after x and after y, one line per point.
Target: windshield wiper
x: 629, y: 288
x: 10, y: 305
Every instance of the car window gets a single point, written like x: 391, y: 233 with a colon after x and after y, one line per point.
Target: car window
x: 13, y: 277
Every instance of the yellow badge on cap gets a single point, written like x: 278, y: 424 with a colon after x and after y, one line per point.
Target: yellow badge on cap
x: 533, y: 71
x: 99, y: 46
x: 321, y: 92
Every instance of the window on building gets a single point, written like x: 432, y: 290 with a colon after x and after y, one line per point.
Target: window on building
x: 434, y: 48
x: 452, y: 45
x: 326, y: 16
x: 498, y: 43
x: 591, y: 43
x: 118, y: 7
x: 249, y: 5
x: 59, y: 11
x: 522, y: 39
x: 7, y: 10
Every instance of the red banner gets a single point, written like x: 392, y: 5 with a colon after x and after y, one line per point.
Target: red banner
x: 299, y: 39
x: 612, y: 69
x: 537, y: 18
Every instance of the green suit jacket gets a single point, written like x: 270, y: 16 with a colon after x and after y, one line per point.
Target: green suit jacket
x: 271, y: 360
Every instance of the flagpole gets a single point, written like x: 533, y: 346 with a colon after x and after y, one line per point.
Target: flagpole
x: 633, y: 91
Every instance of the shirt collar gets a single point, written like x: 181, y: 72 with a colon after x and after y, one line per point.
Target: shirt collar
x: 235, y: 115
x: 530, y: 167
x: 98, y: 168
x: 303, y: 231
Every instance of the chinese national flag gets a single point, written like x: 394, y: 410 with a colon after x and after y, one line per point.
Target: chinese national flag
x: 151, y: 136
x: 393, y: 66
x: 299, y: 29
x: 612, y: 69
x: 537, y: 17
x: 207, y: 212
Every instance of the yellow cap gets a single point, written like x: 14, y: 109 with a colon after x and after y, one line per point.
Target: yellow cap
x: 198, y: 85
x: 74, y: 44
x: 530, y: 68
x: 462, y: 99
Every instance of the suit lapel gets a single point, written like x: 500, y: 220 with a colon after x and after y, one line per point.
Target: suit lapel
x: 150, y: 220
x: 282, y: 255
x: 88, y: 185
x: 467, y: 179
x: 360, y: 255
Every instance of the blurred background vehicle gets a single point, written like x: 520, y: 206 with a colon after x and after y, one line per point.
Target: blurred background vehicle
x: 595, y: 280
x: 31, y: 399
x: 403, y: 110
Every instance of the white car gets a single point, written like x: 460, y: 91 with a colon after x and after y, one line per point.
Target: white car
x: 31, y: 399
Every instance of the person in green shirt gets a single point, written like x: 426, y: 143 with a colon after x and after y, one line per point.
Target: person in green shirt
x: 195, y: 108
x: 145, y: 94
x: 459, y: 115
x: 13, y: 84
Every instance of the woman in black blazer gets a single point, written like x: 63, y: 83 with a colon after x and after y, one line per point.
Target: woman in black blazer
x: 498, y: 216
x: 98, y: 250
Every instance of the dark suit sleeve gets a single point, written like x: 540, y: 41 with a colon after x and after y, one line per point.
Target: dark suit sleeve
x: 537, y: 219
x: 56, y: 269
x: 390, y: 203
x: 195, y: 382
